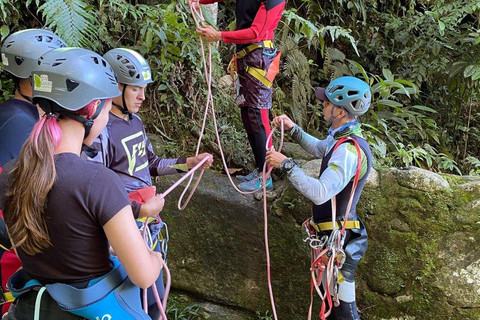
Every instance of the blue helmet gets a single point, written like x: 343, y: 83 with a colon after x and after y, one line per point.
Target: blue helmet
x: 351, y: 94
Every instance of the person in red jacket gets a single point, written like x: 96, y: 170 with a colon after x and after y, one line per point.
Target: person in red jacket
x: 255, y: 64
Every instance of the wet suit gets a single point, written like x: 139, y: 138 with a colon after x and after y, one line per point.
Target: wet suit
x: 17, y: 118
x: 336, y: 179
x: 256, y: 21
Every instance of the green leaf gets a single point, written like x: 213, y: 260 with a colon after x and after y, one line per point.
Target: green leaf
x: 476, y: 75
x: 388, y: 74
x: 436, y: 48
x: 390, y: 103
x: 424, y: 108
x: 469, y: 71
x: 441, y: 27
x: 4, y: 31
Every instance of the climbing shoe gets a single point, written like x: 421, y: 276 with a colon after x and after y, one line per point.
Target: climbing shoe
x: 249, y: 176
x: 255, y: 184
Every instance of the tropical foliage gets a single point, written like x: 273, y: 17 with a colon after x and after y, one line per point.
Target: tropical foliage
x: 421, y: 58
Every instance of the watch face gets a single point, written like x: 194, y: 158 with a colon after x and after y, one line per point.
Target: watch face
x: 288, y: 164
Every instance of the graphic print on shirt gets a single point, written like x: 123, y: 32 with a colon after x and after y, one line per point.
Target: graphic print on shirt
x: 135, y: 149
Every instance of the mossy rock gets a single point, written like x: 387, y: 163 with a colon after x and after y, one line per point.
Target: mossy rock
x: 418, y: 242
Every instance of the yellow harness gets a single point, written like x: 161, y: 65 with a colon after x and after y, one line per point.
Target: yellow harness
x: 265, y: 77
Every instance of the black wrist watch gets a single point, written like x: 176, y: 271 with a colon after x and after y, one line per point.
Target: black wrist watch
x: 287, y: 165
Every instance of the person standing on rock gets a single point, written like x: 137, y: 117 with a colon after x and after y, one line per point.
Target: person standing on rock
x: 344, y: 99
x: 254, y: 67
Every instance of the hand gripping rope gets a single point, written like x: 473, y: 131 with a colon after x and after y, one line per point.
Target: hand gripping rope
x: 327, y: 253
x: 198, y: 17
x: 162, y: 304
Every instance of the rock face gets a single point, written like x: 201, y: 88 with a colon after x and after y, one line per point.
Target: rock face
x: 423, y: 258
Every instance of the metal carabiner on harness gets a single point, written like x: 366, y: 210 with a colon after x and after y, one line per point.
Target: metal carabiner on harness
x: 316, y: 243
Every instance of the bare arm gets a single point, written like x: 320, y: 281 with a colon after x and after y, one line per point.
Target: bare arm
x: 142, y: 266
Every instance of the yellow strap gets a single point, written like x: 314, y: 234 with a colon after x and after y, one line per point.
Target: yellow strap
x: 8, y: 296
x: 326, y: 226
x: 260, y: 75
x: 265, y: 44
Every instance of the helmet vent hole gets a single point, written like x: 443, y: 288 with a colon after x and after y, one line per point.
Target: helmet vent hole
x: 104, y: 63
x: 71, y: 84
x: 131, y: 73
x: 125, y: 61
x: 19, y: 60
x: 49, y: 39
x: 95, y: 60
x: 352, y: 93
x: 39, y: 38
x: 58, y: 62
x: 335, y: 88
x: 138, y: 76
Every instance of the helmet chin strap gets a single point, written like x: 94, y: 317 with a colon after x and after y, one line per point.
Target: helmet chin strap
x: 332, y: 117
x: 124, y: 108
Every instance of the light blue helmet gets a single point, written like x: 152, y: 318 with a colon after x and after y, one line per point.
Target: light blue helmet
x: 351, y: 94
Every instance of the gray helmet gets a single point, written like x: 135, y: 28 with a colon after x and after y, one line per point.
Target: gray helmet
x: 73, y: 77
x: 21, y: 50
x: 129, y: 66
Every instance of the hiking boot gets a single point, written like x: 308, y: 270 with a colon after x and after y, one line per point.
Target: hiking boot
x: 249, y: 176
x: 255, y: 184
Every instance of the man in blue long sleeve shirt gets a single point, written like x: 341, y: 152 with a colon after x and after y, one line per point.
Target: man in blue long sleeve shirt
x: 343, y: 100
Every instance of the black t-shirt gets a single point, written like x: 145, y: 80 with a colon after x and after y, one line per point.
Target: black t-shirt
x: 84, y: 198
x: 17, y: 118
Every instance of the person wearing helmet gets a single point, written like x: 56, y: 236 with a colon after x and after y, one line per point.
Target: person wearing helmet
x: 125, y: 148
x: 253, y: 68
x: 18, y: 115
x: 19, y: 55
x: 63, y: 212
x: 344, y: 99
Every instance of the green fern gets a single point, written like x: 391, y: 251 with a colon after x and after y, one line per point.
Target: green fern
x: 72, y: 21
x: 297, y: 68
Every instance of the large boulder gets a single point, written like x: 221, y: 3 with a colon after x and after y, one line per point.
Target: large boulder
x: 423, y: 259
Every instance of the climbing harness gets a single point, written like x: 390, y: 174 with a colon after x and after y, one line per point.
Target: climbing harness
x: 112, y: 294
x: 265, y: 77
x: 326, y: 242
x: 198, y: 17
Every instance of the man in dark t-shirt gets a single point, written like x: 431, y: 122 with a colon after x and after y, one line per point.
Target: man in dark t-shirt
x: 18, y: 115
x: 256, y: 62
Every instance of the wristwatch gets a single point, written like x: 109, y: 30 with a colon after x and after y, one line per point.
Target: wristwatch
x: 287, y: 165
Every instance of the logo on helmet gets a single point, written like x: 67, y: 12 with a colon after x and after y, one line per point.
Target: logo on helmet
x: 4, y: 59
x: 42, y: 83
x: 147, y: 75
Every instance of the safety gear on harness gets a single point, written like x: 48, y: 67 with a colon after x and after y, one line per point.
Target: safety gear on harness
x: 112, y: 294
x: 130, y: 68
x: 265, y: 77
x: 349, y: 93
x: 326, y: 241
x: 21, y: 50
x: 58, y: 90
x: 156, y: 238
